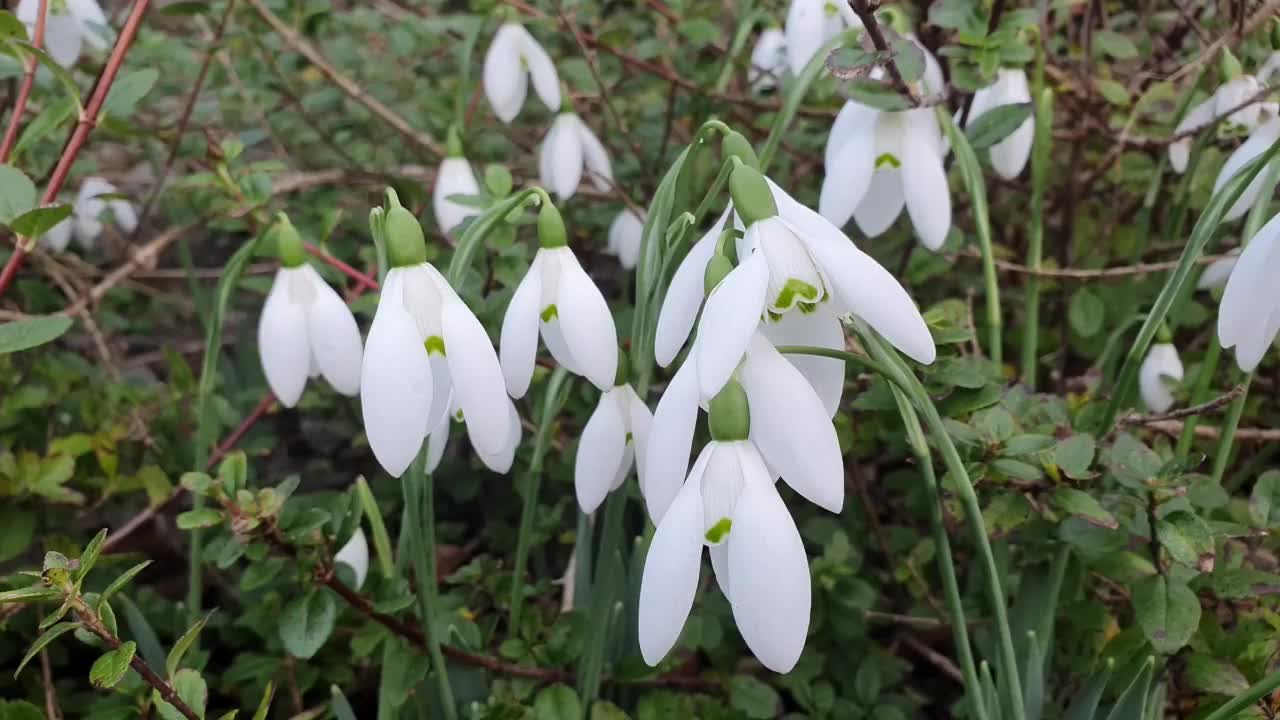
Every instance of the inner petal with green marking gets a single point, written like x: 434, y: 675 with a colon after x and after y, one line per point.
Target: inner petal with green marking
x: 719, y: 531
x: 549, y: 313
x: 793, y: 277
x: 888, y: 160
x: 435, y: 345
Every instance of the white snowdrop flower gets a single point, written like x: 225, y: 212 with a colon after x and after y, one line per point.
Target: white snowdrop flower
x: 557, y: 300
x: 1258, y: 142
x: 426, y: 352
x: 625, y: 233
x: 768, y: 60
x: 514, y: 57
x: 614, y: 436
x: 305, y: 328
x: 85, y: 224
x: 1009, y: 156
x: 569, y: 149
x: 729, y: 503
x: 1229, y: 97
x: 355, y: 555
x: 68, y: 25
x: 810, y: 24
x: 1214, y: 277
x: 1269, y: 68
x: 878, y: 161
x: 1161, y: 367
x: 1226, y: 102
x: 499, y: 461
x: 1249, y: 316
x: 455, y: 177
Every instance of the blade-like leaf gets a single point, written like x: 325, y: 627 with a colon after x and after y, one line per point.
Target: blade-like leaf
x: 49, y: 636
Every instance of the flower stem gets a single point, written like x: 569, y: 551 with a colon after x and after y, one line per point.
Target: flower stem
x: 1222, y: 453
x: 603, y: 591
x: 1035, y: 241
x: 419, y: 498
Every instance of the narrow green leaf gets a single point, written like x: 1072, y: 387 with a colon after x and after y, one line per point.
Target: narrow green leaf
x: 142, y: 633
x: 38, y: 221
x: 1132, y: 703
x: 381, y: 540
x: 108, y: 669
x: 201, y: 518
x: 51, y: 118
x: 49, y: 636
x: 264, y: 705
x: 1085, y: 704
x: 1033, y: 678
x: 11, y: 26
x: 29, y: 594
x: 341, y: 708
x: 118, y: 584
x: 184, y: 644
x: 128, y: 90
x: 89, y: 557
x: 1084, y: 506
x: 26, y: 334
x: 193, y: 691
x: 878, y: 94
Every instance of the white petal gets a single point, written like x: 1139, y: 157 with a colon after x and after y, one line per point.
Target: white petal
x: 454, y: 178
x: 505, y: 82
x: 720, y: 565
x: 477, y: 378
x: 282, y: 340
x: 768, y: 60
x: 500, y: 462
x: 1250, y: 297
x: 518, y: 343
x: 639, y: 421
x: 925, y: 181
x: 805, y: 32
x: 334, y: 336
x: 596, y: 157
x: 1269, y: 67
x: 444, y: 402
x: 561, y: 160
x: 63, y: 38
x: 437, y: 441
x: 395, y: 381
x: 721, y: 486
x: 771, y: 587
x: 882, y: 203
x: 848, y: 177
x: 670, y: 440
x: 820, y: 327
x: 546, y: 82
x: 600, y: 451
x: 625, y: 234
x: 1216, y: 275
x: 684, y: 296
x: 1180, y: 151
x: 553, y: 337
x: 586, y: 323
x: 57, y: 237
x: 853, y: 119
x: 1161, y: 366
x: 670, y: 577
x: 93, y: 22
x: 728, y: 322
x: 1259, y: 141
x: 355, y: 555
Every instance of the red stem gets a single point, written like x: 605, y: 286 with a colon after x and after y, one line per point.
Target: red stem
x: 24, y: 92
x: 364, y: 280
x: 88, y: 120
x: 262, y: 408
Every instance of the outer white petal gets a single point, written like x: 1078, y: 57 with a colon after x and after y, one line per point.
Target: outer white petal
x: 477, y: 378
x: 625, y: 233
x: 670, y: 577
x: 596, y: 158
x: 500, y: 462
x: 455, y: 177
x: 58, y: 237
x: 546, y: 82
x: 768, y: 60
x: 853, y: 119
x: 600, y: 451
x: 791, y: 427
x: 1250, y: 296
x: 771, y: 587
x: 848, y: 176
x: 933, y: 80
x: 1234, y: 92
x: 925, y: 181
x: 282, y: 340
x: 639, y: 421
x: 437, y: 441
x: 63, y: 38
x: 1259, y: 141
x: 355, y: 555
x: 444, y: 406
x: 882, y: 203
x: 334, y: 336
x: 720, y: 566
x: 1269, y: 68
x: 1196, y: 117
x: 395, y: 381
x: 1009, y: 156
x: 670, y: 440
x: 518, y: 344
x: 684, y: 296
x: 1160, y: 366
x: 730, y: 319
x: 805, y: 32
x: 1216, y: 275
x: 821, y: 328
x: 505, y: 82
x: 586, y: 323
x: 561, y: 159
x: 93, y: 22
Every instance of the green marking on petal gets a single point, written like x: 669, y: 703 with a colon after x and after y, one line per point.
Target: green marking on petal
x: 719, y: 531
x: 807, y: 308
x: 435, y: 344
x: 628, y: 440
x: 549, y: 313
x: 888, y: 160
x: 830, y: 9
x: 457, y: 416
x: 795, y: 291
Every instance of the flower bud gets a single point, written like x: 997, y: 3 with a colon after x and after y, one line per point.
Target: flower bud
x: 729, y: 416
x: 1228, y: 66
x: 752, y: 199
x: 735, y: 144
x: 551, y: 232
x: 288, y: 243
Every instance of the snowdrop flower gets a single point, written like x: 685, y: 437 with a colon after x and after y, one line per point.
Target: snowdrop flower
x: 1258, y: 142
x: 68, y: 25
x: 85, y: 223
x: 810, y: 23
x: 426, y: 353
x: 1224, y: 102
x: 305, y: 329
x: 1010, y: 155
x: 557, y: 300
x: 499, y: 462
x: 1269, y: 67
x: 1249, y: 316
x: 1216, y: 274
x: 615, y: 434
x: 514, y: 58
x: 877, y: 162
x: 729, y: 503
x: 1161, y: 367
x: 624, y: 237
x: 567, y: 149
x: 455, y: 177
x: 355, y: 555
x: 768, y: 60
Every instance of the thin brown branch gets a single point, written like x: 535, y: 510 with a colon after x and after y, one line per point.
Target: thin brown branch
x: 1203, y: 407
x: 866, y: 12
x: 1090, y: 274
x: 1257, y: 435
x: 94, y: 624
x: 28, y: 82
x: 1268, y: 10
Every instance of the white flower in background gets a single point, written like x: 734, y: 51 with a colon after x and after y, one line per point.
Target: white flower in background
x: 1269, y: 68
x: 810, y: 23
x: 1161, y: 368
x: 355, y: 555
x: 614, y: 436
x: 1216, y: 274
x: 1009, y: 156
x: 85, y: 223
x: 625, y: 233
x: 557, y: 300
x: 1224, y: 102
x: 728, y: 503
x: 68, y: 25
x: 499, y: 462
x: 768, y: 60
x: 1249, y: 316
x: 425, y: 354
x: 568, y: 150
x: 878, y: 161
x: 455, y: 177
x: 514, y: 57
x: 1258, y: 142
x: 305, y: 329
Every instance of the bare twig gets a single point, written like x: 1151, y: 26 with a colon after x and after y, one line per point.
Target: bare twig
x: 866, y: 12
x: 1091, y: 274
x: 28, y: 81
x: 1203, y: 407
x: 1258, y: 435
x: 1268, y: 10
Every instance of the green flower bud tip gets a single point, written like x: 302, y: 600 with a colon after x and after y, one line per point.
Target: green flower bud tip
x: 406, y: 245
x: 551, y: 232
x: 751, y: 196
x: 729, y: 416
x: 1228, y: 65
x: 735, y: 144
x: 288, y: 243
x: 623, y: 374
x: 453, y: 142
x: 717, y: 269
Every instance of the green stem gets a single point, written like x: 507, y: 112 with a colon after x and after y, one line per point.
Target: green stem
x: 381, y: 541
x: 1222, y: 453
x: 1035, y: 240
x: 749, y: 16
x: 602, y: 600
x: 419, y: 497
x: 845, y: 355
x: 551, y: 403
x: 1246, y: 699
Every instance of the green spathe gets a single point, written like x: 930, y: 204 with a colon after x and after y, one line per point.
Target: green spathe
x: 406, y: 245
x: 289, y: 246
x: 551, y: 233
x: 752, y: 199
x: 729, y: 416
x: 717, y: 269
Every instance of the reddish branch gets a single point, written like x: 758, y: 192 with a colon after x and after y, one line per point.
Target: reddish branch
x: 88, y: 120
x: 28, y: 81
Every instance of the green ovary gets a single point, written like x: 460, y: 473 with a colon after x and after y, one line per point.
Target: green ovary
x: 719, y: 531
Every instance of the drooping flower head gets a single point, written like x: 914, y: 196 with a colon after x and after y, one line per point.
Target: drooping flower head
x: 306, y: 329
x: 569, y: 150
x: 68, y: 25
x: 1009, y: 156
x: 455, y: 177
x: 355, y: 555
x: 625, y: 233
x: 616, y: 434
x: 810, y: 23
x: 1230, y: 101
x: 1161, y: 368
x: 513, y: 59
x: 768, y: 60
x: 91, y: 208
x: 1249, y: 316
